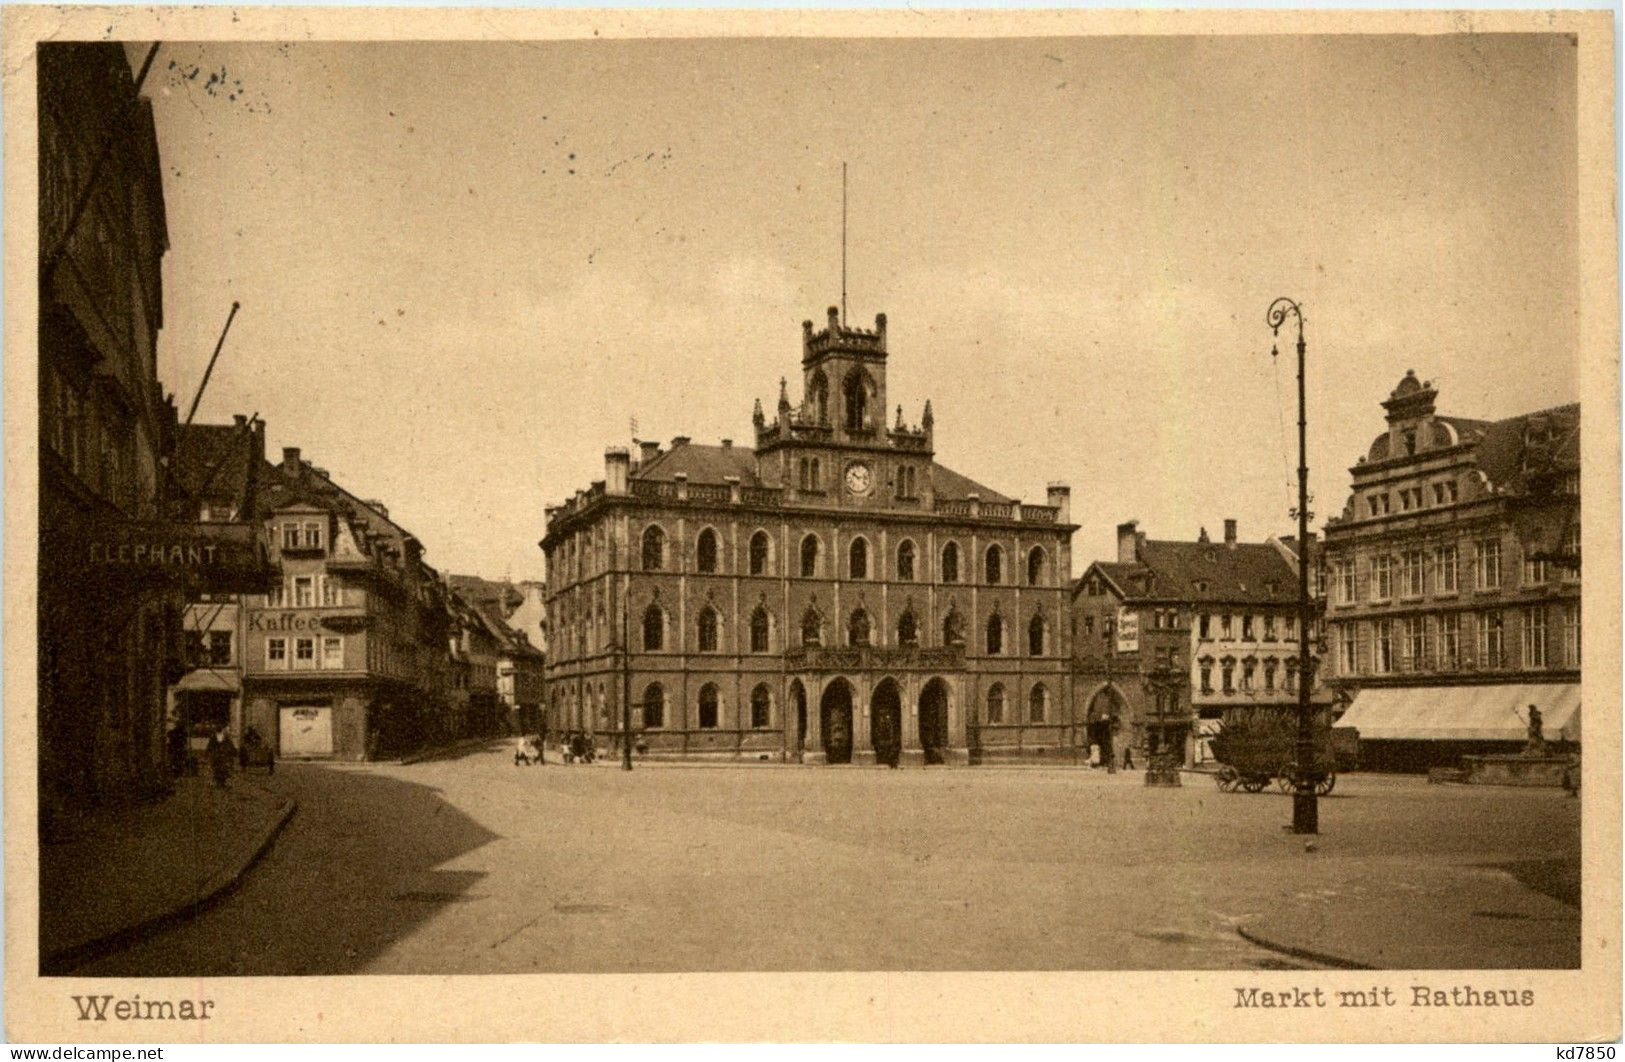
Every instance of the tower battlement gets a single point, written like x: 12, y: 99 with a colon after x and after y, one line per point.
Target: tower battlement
x: 838, y: 338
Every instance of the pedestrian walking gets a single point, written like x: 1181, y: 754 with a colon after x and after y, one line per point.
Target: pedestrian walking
x: 221, y: 754
x: 1128, y: 757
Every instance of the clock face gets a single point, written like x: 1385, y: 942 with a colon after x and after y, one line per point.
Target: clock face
x: 858, y: 478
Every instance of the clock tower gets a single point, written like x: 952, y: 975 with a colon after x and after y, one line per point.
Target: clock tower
x: 836, y: 447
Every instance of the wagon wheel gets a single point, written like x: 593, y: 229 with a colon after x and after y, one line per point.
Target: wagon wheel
x: 1326, y: 784
x: 1286, y: 781
x: 1255, y: 783
x: 1227, y: 778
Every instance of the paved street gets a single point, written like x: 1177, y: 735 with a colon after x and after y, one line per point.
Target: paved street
x: 472, y: 865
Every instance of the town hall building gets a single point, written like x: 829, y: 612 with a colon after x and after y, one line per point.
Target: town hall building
x: 831, y: 594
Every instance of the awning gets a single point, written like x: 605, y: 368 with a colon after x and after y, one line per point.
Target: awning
x: 205, y: 680
x: 1465, y: 713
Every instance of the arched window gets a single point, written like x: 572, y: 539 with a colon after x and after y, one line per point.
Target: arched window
x: 855, y: 398
x: 759, y: 546
x: 761, y: 707
x: 654, y: 629
x: 818, y: 397
x: 817, y: 476
x: 950, y: 563
x: 708, y: 630
x: 995, y: 635
x: 1035, y: 636
x: 1038, y: 704
x: 809, y: 557
x: 908, y: 630
x: 705, y: 551
x: 1035, y: 566
x: 857, y: 628
x: 995, y: 565
x: 995, y: 703
x: 857, y: 559
x: 708, y: 707
x: 953, y: 628
x: 654, y: 548
x: 905, y: 560
x: 759, y: 630
x: 811, y: 628
x: 654, y: 707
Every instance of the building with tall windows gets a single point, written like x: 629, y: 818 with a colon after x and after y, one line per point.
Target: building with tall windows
x: 1454, y: 582
x: 1172, y: 633
x: 829, y: 594
x: 348, y: 654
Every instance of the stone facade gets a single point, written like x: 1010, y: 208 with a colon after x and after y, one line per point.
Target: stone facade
x: 1456, y: 559
x: 830, y: 594
x: 109, y: 641
x: 347, y: 657
x: 1172, y: 633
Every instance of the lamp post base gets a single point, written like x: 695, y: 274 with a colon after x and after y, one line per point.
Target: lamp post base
x: 1305, y: 812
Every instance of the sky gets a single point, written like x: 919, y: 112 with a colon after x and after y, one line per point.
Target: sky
x: 467, y: 268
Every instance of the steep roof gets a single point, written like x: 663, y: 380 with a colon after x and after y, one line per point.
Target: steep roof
x: 1216, y: 572
x: 701, y: 464
x: 1544, y: 441
x: 216, y: 463
x: 952, y: 486
x: 713, y: 464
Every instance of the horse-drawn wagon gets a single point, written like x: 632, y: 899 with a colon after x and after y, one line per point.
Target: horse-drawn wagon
x: 1258, y: 744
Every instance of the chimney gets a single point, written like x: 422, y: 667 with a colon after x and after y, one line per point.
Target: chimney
x: 239, y: 419
x: 1060, y: 498
x: 1230, y: 532
x: 679, y: 440
x: 727, y: 444
x: 290, y: 459
x: 650, y: 451
x: 834, y: 319
x: 617, y: 465
x: 378, y: 507
x: 1128, y: 540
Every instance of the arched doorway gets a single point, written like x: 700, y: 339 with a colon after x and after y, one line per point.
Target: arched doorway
x: 886, y: 723
x: 1106, y: 711
x: 798, y: 699
x: 835, y: 722
x: 934, y: 720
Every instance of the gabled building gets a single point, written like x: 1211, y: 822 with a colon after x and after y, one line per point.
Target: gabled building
x: 216, y: 476
x: 831, y: 594
x: 502, y: 606
x: 346, y: 657
x: 1454, y: 577
x: 1171, y: 633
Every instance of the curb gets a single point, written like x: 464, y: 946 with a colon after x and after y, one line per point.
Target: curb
x: 65, y: 960
x: 1306, y: 954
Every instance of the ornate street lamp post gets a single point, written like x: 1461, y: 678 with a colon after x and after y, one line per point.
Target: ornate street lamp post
x: 1305, y: 805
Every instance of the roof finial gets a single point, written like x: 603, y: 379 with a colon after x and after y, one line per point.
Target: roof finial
x: 926, y: 419
x: 756, y: 416
x: 784, y: 394
x: 899, y: 416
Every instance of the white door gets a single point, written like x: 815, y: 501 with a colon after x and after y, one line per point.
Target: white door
x: 307, y: 730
